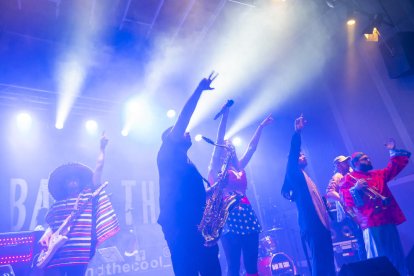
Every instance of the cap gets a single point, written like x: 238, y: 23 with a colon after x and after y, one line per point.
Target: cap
x: 340, y: 159
x: 355, y: 157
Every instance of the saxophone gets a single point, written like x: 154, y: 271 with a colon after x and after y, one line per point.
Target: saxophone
x: 218, y: 205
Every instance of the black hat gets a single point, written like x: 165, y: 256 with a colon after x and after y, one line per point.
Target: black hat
x: 63, y: 173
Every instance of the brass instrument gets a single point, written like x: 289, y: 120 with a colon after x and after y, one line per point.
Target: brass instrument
x: 373, y: 194
x: 218, y: 205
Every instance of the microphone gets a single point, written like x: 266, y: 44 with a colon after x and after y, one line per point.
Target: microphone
x: 208, y: 140
x: 211, y: 142
x: 228, y: 104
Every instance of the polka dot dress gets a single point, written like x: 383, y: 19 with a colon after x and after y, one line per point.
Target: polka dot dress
x: 242, y: 220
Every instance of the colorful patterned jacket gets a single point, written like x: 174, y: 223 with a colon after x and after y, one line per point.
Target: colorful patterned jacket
x: 371, y: 210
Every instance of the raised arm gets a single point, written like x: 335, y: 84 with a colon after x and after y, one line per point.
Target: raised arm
x: 296, y: 142
x: 214, y: 166
x: 186, y: 113
x: 251, y: 148
x: 97, y: 175
x: 398, y: 160
x: 222, y: 126
x: 292, y: 167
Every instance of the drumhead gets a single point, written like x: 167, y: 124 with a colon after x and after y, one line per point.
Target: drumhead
x: 279, y: 264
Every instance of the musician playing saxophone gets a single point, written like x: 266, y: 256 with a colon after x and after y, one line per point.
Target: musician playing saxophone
x: 72, y: 186
x: 366, y: 193
x: 242, y: 228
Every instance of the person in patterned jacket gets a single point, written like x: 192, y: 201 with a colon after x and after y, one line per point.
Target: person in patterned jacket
x: 312, y: 214
x: 365, y: 193
x: 242, y: 228
x: 72, y: 186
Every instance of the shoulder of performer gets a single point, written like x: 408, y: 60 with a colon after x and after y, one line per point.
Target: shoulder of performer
x: 346, y: 181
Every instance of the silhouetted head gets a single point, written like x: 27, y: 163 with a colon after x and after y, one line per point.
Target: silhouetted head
x: 234, y: 162
x: 185, y: 143
x: 302, y: 161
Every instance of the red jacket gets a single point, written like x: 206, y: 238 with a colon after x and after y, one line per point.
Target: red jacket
x: 370, y: 211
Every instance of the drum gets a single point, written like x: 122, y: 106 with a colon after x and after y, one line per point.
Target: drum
x: 267, y: 246
x: 276, y: 264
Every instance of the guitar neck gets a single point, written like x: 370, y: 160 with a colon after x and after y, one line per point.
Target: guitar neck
x: 75, y: 213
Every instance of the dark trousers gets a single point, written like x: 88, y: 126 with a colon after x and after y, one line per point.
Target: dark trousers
x: 234, y: 245
x: 189, y: 256
x: 362, y: 253
x: 319, y: 240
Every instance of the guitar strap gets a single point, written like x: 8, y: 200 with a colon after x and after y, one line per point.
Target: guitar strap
x: 94, y: 201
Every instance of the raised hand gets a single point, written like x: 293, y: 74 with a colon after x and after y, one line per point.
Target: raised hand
x: 103, y: 141
x: 205, y: 84
x: 267, y: 121
x: 300, y: 123
x: 390, y: 144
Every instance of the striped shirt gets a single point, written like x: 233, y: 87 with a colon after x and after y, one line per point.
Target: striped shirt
x: 84, y: 235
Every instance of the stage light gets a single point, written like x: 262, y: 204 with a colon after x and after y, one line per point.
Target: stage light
x: 236, y: 141
x: 124, y: 132
x: 138, y: 116
x: 24, y: 121
x: 171, y: 113
x: 350, y: 17
x: 91, y: 126
x: 371, y: 31
x: 351, y: 22
x: 198, y: 137
x: 374, y: 36
x: 59, y: 125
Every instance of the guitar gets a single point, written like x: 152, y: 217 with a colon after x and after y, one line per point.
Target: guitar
x: 59, y: 237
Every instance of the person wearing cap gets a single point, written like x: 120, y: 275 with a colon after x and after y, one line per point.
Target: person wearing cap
x: 341, y: 168
x: 365, y: 192
x: 183, y: 196
x: 312, y: 214
x: 72, y: 186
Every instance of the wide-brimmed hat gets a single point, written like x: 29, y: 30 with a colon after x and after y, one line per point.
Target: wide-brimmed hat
x: 65, y: 172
